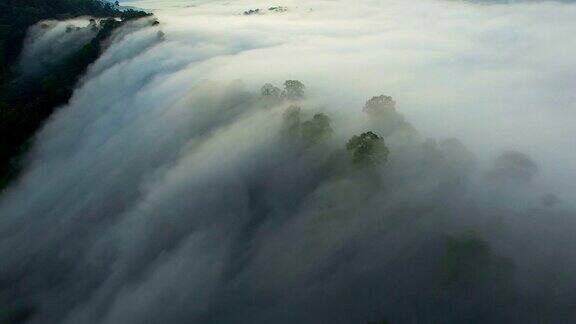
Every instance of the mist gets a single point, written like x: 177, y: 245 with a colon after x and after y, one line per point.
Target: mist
x: 173, y: 188
x: 49, y: 42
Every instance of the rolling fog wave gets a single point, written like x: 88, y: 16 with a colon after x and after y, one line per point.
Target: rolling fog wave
x: 175, y: 187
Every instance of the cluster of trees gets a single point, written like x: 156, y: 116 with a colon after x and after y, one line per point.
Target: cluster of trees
x: 16, y: 16
x: 464, y: 264
x: 278, y: 9
x: 513, y: 166
x: 251, y: 12
x: 468, y: 260
x: 380, y: 105
x: 293, y: 90
x: 26, y: 103
x: 365, y: 149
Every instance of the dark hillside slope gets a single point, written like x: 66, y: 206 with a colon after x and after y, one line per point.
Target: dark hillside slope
x: 16, y: 16
x: 25, y: 104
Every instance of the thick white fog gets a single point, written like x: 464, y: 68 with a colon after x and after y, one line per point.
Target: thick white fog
x: 171, y: 190
x: 48, y: 42
x: 495, y: 76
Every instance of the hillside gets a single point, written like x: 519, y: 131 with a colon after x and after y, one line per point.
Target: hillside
x: 26, y: 102
x: 16, y: 16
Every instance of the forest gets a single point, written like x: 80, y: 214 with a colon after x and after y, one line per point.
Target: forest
x: 26, y: 101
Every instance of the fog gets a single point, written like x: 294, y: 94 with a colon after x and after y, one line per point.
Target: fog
x: 171, y: 189
x: 49, y: 42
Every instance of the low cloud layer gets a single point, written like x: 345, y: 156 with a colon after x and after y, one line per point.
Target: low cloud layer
x: 171, y: 190
x: 49, y: 42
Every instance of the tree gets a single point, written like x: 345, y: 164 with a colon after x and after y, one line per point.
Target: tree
x: 311, y: 131
x: 251, y: 12
x: 469, y: 261
x: 367, y: 149
x: 380, y: 105
x: 269, y: 90
x: 514, y: 166
x: 455, y: 154
x: 550, y: 200
x: 30, y: 105
x: 292, y: 119
x: 465, y: 258
x: 278, y: 9
x: 317, y: 128
x: 294, y: 90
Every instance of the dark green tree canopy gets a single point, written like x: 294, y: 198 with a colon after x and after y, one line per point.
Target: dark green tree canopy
x: 294, y: 90
x: 269, y: 90
x: 514, y: 166
x: 317, y: 128
x: 292, y: 117
x: 310, y: 131
x: 380, y: 105
x: 25, y: 104
x: 367, y: 149
x: 469, y: 260
x: 16, y: 16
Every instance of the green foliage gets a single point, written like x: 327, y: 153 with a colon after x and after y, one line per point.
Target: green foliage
x: 16, y: 313
x: 270, y: 91
x: 294, y: 90
x: 466, y: 257
x: 387, y: 121
x: 317, y: 128
x: 367, y: 149
x: 311, y: 131
x: 292, y: 119
x: 130, y: 14
x: 16, y: 16
x: 515, y: 166
x: 25, y: 104
x: 380, y: 105
x: 468, y: 260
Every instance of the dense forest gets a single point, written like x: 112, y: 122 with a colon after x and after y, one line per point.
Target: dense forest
x: 25, y: 102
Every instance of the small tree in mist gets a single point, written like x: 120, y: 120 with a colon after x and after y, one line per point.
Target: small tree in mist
x: 93, y: 25
x: 270, y: 95
x: 292, y: 120
x: 380, y: 105
x: 465, y: 257
x: 387, y: 121
x: 270, y: 91
x: 367, y: 149
x: 513, y: 166
x: 293, y: 90
x: 550, y: 200
x: 469, y: 261
x: 317, y: 128
x: 310, y: 131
